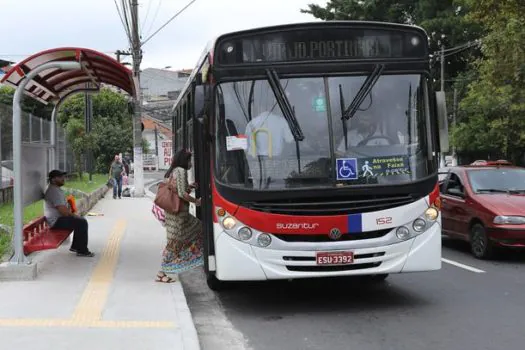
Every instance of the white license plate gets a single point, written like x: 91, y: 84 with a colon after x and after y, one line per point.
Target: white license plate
x: 334, y: 258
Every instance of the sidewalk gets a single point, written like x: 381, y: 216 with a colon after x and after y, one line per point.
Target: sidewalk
x: 109, y: 302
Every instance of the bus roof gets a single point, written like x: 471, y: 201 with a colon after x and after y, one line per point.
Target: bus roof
x: 210, y: 47
x: 385, y: 25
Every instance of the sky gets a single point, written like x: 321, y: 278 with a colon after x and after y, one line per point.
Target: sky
x: 30, y: 26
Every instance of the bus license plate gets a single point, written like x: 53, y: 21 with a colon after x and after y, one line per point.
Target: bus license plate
x: 334, y: 258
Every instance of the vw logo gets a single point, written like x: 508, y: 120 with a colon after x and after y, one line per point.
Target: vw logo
x: 334, y: 234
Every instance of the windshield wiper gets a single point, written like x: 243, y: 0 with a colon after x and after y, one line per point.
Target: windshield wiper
x: 284, y: 104
x: 343, y: 119
x: 364, y: 91
x: 492, y: 190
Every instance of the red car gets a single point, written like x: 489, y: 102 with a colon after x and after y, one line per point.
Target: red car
x: 484, y: 204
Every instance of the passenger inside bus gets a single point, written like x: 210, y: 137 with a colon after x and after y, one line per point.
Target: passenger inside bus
x: 267, y: 134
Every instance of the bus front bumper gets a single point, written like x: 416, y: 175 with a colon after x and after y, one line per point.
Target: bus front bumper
x: 239, y: 261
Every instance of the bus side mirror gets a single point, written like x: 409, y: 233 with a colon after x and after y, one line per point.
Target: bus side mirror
x: 441, y: 105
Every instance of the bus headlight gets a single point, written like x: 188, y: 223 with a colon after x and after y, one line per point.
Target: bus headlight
x: 244, y: 233
x: 264, y: 240
x: 229, y: 223
x: 419, y: 225
x: 403, y: 233
x: 431, y: 214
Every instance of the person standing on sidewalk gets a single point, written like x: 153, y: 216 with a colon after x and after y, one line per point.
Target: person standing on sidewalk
x: 184, y: 231
x: 116, y: 171
x: 59, y: 216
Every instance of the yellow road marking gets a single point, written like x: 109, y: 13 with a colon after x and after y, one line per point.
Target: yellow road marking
x: 84, y: 323
x: 91, y: 304
x: 88, y: 313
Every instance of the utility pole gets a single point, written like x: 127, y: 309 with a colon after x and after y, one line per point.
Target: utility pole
x: 442, y: 59
x: 136, y: 53
x: 88, y: 114
x: 156, y: 141
x: 454, y: 112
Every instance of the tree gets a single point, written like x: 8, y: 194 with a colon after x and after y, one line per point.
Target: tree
x: 111, y: 138
x: 112, y: 129
x: 79, y: 142
x: 438, y: 17
x: 29, y: 105
x: 145, y: 146
x: 495, y: 104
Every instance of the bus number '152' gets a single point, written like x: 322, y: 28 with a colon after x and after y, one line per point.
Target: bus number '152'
x: 384, y: 221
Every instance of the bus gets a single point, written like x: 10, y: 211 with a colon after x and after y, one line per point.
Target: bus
x: 316, y: 149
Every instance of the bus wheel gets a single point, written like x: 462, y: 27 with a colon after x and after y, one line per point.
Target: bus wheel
x: 214, y: 283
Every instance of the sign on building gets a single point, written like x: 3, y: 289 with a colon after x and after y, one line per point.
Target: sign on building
x: 166, y: 155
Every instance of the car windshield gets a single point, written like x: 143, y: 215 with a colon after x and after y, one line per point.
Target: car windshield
x: 497, y: 180
x: 384, y: 142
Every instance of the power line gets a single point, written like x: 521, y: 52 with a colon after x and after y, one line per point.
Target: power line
x: 147, y: 14
x: 147, y: 32
x: 126, y: 27
x: 458, y: 48
x: 126, y: 11
x: 165, y: 24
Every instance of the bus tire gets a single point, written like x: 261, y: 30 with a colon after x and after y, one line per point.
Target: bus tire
x: 214, y: 283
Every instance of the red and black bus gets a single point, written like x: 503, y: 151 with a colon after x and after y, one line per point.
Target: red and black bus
x: 316, y: 149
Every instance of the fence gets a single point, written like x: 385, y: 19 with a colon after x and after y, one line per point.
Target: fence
x: 36, y: 135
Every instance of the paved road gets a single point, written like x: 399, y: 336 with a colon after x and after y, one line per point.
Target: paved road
x: 469, y: 304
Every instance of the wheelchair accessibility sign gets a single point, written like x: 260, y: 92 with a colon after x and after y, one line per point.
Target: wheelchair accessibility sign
x: 347, y: 169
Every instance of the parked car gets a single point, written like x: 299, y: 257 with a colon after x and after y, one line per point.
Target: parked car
x: 484, y: 204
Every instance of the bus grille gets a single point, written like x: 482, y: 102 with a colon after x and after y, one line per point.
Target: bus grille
x: 325, y: 238
x: 329, y: 206
x: 332, y: 268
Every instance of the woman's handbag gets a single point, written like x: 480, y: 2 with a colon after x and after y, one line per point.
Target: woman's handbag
x: 158, y: 212
x: 167, y: 197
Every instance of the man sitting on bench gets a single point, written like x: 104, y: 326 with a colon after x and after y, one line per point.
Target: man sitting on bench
x: 59, y: 215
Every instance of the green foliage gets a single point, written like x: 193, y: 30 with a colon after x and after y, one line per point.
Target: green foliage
x: 145, y: 146
x: 111, y: 138
x: 79, y: 141
x: 437, y: 17
x: 111, y: 126
x: 29, y: 105
x: 493, y: 110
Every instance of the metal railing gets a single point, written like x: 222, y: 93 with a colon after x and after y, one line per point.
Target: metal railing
x: 35, y: 132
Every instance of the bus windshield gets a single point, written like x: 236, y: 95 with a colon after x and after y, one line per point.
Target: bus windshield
x: 384, y: 143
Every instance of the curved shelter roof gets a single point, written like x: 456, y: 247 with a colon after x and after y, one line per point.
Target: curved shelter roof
x: 53, y: 84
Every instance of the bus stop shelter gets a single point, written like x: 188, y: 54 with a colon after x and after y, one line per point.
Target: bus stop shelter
x: 50, y: 77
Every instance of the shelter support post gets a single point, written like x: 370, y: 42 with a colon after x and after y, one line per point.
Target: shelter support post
x: 138, y: 167
x: 18, y: 237
x: 53, y: 138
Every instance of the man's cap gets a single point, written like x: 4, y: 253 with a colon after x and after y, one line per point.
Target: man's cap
x: 56, y: 173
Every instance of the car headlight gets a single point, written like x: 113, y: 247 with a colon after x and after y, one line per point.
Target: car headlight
x: 509, y: 220
x: 229, y: 223
x: 431, y: 214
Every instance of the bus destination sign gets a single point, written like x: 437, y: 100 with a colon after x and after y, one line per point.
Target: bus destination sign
x: 317, y: 44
